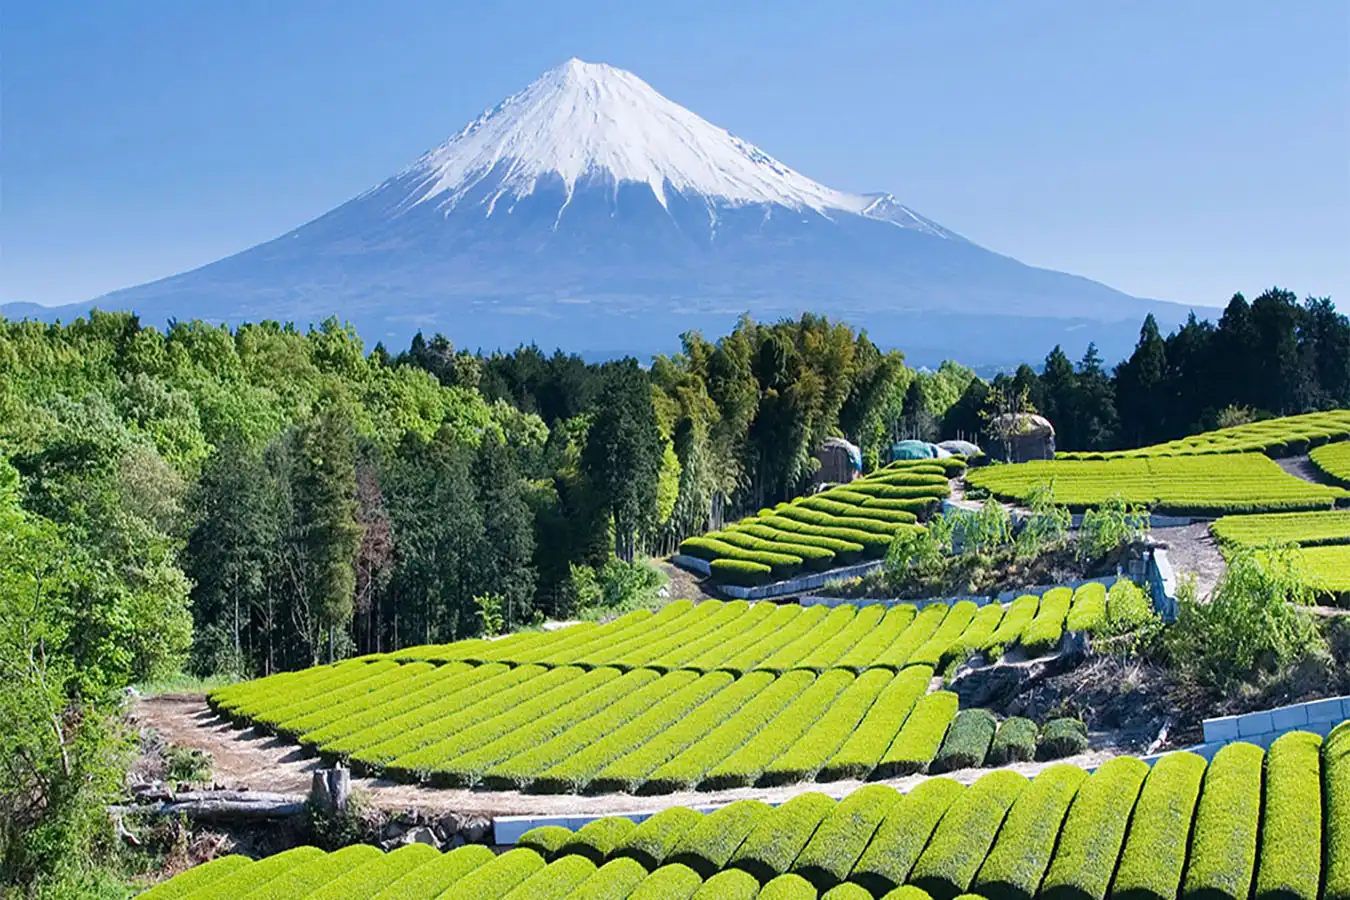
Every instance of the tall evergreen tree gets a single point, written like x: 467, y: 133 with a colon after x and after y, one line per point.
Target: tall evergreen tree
x: 505, y: 561
x: 623, y: 453
x: 1058, y: 386
x: 325, y: 501
x: 1141, y: 387
x: 1095, y: 406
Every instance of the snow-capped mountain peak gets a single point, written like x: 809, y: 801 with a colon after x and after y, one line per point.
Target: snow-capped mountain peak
x: 583, y: 121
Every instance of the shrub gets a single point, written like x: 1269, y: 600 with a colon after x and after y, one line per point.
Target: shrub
x: 708, y: 846
x: 491, y: 719
x: 910, y: 892
x: 774, y: 729
x: 522, y: 768
x: 433, y: 878
x: 198, y: 877
x: 1154, y: 856
x: 843, y: 835
x: 874, y: 545
x: 770, y: 849
x: 1088, y: 612
x: 807, y: 642
x: 1289, y: 864
x: 948, y: 864
x: 904, y: 832
x: 820, y: 742
x: 788, y: 887
x: 731, y: 884
x: 975, y: 636
x: 599, y: 839
x: 967, y: 741
x: 953, y: 626
x: 862, y: 749
x: 466, y: 767
x: 546, y: 840
x: 553, y: 882
x: 742, y: 573
x: 928, y: 620
x: 498, y: 877
x: 1042, y: 635
x: 1093, y: 832
x: 654, y: 839
x: 1015, y: 866
x: 1251, y: 619
x: 845, y: 551
x: 870, y: 648
x: 858, y: 523
x: 263, y: 872
x: 1223, y: 844
x: 615, y: 880
x: 864, y: 622
x: 630, y: 771
x: 1336, y: 794
x: 1015, y: 742
x: 846, y: 891
x: 1009, y: 631
x: 919, y: 739
x: 1061, y: 738
x: 577, y: 770
x: 674, y: 882
x: 816, y: 558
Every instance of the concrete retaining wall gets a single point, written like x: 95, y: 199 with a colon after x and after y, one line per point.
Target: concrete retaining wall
x: 1001, y: 597
x: 778, y: 588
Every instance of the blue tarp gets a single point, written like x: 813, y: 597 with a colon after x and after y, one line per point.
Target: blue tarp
x: 913, y: 450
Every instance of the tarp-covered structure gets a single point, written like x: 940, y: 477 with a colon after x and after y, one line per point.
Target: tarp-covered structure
x: 840, y: 461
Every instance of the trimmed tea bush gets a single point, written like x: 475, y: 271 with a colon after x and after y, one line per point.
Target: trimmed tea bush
x: 780, y: 836
x: 1021, y: 854
x: 1336, y: 809
x: 967, y: 741
x: 1289, y: 861
x: 1223, y: 844
x: 1154, y: 857
x: 709, y: 845
x: 1015, y: 742
x: 948, y: 864
x: 1094, y: 830
x: 1061, y: 738
x: 844, y: 834
x: 921, y: 736
x: 904, y: 832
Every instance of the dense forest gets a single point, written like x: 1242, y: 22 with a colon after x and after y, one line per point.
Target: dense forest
x: 243, y: 501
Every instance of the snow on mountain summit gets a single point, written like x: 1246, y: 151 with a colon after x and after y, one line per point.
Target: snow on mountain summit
x: 582, y: 121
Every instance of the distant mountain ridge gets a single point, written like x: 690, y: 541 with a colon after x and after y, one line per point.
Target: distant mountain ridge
x: 592, y: 213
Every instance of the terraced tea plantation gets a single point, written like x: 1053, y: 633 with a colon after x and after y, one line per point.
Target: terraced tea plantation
x: 1249, y: 824
x: 839, y: 526
x: 1201, y: 485
x: 1321, y: 539
x: 1307, y: 529
x: 1333, y: 461
x: 1287, y: 436
x: 712, y: 695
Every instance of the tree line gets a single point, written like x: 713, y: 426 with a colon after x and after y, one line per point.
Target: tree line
x: 261, y: 498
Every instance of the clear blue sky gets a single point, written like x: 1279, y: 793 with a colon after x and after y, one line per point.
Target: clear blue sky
x: 1176, y: 150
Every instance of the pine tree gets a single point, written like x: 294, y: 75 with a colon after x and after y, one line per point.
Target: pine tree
x: 325, y: 502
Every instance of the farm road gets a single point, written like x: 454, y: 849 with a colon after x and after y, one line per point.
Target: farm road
x: 246, y: 759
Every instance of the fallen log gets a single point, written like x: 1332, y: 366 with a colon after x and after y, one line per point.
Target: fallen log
x: 239, y: 806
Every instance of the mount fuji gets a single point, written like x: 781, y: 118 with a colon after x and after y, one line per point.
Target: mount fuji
x: 592, y: 213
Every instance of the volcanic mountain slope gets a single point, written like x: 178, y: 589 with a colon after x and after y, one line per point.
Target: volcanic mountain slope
x: 592, y: 213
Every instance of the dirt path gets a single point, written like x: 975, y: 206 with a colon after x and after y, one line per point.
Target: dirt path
x: 244, y: 758
x: 685, y: 585
x: 1192, y: 551
x: 1302, y: 467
